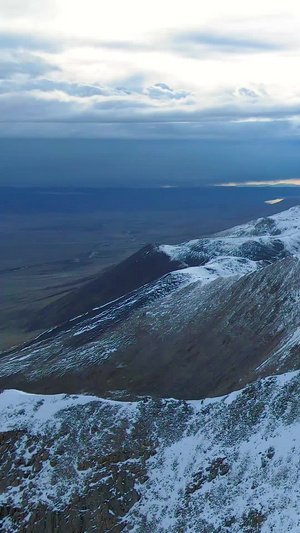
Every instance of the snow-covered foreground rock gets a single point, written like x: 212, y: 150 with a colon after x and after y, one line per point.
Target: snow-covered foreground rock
x: 83, y: 464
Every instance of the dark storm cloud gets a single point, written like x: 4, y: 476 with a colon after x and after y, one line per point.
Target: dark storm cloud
x: 22, y: 107
x: 130, y: 111
x: 100, y: 162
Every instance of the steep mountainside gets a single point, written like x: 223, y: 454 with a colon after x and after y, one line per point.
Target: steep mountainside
x: 198, y: 340
x: 197, y: 331
x: 145, y: 266
x: 264, y: 240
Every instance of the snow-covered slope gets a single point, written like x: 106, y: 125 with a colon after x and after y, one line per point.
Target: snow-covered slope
x: 83, y: 464
x: 265, y: 239
x: 239, y: 314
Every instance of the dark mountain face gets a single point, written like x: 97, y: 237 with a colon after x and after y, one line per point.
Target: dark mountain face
x: 189, y: 333
x: 145, y: 266
x: 196, y: 341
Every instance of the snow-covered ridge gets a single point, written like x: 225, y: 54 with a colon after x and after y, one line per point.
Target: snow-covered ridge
x: 284, y: 223
x: 196, y: 466
x: 164, y: 310
x: 35, y: 411
x: 219, y: 267
x: 266, y: 238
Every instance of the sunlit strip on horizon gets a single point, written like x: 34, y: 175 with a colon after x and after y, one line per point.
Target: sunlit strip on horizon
x: 295, y: 181
x: 275, y: 201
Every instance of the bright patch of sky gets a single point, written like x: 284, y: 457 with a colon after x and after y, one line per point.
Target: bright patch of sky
x: 161, y: 69
x: 261, y: 183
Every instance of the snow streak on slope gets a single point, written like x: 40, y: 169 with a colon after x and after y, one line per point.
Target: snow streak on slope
x: 219, y: 465
x: 219, y: 267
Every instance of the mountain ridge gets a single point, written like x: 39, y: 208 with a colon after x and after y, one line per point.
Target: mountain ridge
x: 154, y: 261
x: 187, y: 319
x: 220, y: 465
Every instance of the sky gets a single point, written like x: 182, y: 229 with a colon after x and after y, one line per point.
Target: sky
x: 150, y: 70
x: 220, y: 80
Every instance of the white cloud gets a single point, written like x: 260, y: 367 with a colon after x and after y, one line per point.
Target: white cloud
x: 22, y: 8
x: 162, y: 62
x: 161, y: 91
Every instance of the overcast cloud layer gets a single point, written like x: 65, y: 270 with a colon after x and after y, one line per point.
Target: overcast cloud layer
x: 134, y: 69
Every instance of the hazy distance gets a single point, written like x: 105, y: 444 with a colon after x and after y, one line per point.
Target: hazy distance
x: 144, y: 163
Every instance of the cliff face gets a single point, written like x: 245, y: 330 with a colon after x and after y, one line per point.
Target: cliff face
x: 81, y: 464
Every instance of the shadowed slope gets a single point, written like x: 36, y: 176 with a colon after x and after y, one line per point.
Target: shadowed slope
x: 145, y: 266
x: 196, y: 331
